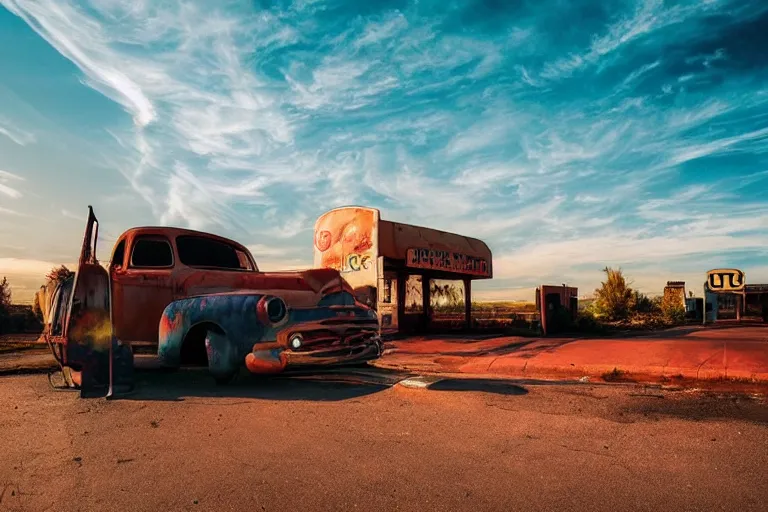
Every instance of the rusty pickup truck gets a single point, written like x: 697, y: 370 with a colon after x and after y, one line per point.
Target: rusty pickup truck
x: 199, y: 299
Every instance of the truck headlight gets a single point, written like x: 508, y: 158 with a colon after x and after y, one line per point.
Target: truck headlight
x: 276, y: 309
x: 296, y: 341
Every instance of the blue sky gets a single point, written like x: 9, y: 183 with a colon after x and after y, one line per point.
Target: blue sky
x: 567, y: 135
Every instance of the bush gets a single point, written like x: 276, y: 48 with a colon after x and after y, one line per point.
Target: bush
x: 5, y: 306
x: 674, y: 314
x: 586, y: 322
x: 614, y: 300
x: 672, y: 310
x: 644, y: 304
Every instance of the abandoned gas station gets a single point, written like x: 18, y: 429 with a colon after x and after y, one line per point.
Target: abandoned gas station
x: 398, y: 268
x: 728, y: 296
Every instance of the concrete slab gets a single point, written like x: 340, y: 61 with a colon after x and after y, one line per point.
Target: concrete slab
x: 693, y: 354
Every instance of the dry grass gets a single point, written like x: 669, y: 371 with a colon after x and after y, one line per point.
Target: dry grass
x: 488, y: 315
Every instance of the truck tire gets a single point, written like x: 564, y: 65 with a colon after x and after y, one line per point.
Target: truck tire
x: 221, y: 357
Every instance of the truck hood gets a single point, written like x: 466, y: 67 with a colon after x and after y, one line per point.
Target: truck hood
x: 299, y: 288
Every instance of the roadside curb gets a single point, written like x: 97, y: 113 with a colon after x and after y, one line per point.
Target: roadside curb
x: 588, y: 373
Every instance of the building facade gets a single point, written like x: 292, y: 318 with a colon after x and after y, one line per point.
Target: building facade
x: 403, y: 271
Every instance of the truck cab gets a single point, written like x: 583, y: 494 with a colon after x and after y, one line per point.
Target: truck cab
x: 151, y: 267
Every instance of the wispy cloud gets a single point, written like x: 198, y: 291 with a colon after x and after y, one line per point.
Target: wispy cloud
x: 5, y: 178
x: 8, y: 211
x: 70, y: 215
x: 17, y: 135
x: 647, y: 17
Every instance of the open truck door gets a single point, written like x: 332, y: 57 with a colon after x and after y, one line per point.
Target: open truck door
x: 92, y: 358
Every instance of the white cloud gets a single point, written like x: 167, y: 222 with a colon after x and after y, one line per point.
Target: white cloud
x: 488, y: 177
x: 382, y: 30
x: 10, y: 192
x: 650, y: 16
x: 66, y: 213
x: 615, y: 250
x: 195, y: 98
x: 17, y: 135
x: 481, y: 135
x: 694, y: 151
x: 5, y: 178
x: 640, y: 72
x: 232, y: 134
x: 65, y: 28
x: 8, y: 211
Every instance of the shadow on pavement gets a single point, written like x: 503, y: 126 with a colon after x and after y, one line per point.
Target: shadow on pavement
x: 325, y: 386
x: 703, y: 407
x: 500, y: 387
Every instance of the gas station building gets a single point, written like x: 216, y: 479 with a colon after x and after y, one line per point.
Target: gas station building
x: 728, y: 296
x: 392, y: 266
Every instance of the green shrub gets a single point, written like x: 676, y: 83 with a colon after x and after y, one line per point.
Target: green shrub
x: 644, y: 304
x: 674, y: 314
x: 614, y: 300
x: 586, y: 322
x: 672, y: 310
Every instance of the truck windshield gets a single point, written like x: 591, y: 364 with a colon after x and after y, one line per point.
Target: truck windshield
x: 198, y: 251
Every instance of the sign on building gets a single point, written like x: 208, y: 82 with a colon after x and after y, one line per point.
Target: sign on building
x: 447, y: 261
x: 726, y: 280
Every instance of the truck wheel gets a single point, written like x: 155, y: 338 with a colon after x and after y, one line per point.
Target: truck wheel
x: 221, y: 361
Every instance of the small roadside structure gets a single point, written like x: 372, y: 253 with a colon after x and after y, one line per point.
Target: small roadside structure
x: 674, y: 293
x: 400, y: 269
x: 756, y: 301
x: 556, y: 305
x: 724, y: 294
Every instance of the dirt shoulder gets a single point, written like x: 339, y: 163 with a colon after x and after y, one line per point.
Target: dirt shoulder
x: 25, y: 359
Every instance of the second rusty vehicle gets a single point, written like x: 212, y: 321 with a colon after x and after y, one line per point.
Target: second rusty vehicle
x: 200, y: 299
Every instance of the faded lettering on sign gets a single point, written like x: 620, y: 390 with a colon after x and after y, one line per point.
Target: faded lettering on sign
x: 356, y: 262
x: 725, y: 280
x: 447, y: 261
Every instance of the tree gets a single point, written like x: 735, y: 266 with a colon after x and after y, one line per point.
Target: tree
x: 5, y: 305
x: 673, y: 311
x: 614, y: 300
x: 5, y: 294
x: 644, y: 304
x: 60, y: 274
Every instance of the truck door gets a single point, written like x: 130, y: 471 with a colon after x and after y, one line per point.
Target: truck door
x: 90, y: 359
x: 141, y: 290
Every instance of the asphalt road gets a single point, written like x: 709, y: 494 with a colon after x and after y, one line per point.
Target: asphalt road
x: 364, y: 443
